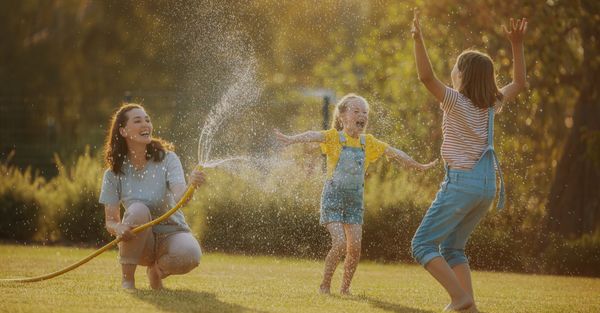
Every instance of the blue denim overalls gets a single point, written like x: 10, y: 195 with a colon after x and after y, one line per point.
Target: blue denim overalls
x: 342, y: 197
x: 463, y: 200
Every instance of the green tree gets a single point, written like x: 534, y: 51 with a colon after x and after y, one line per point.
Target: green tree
x: 574, y: 200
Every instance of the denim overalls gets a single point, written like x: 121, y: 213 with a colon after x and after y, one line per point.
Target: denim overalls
x: 342, y: 197
x: 462, y: 201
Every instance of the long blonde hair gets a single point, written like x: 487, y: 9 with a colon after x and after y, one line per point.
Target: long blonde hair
x: 342, y: 106
x: 478, y: 78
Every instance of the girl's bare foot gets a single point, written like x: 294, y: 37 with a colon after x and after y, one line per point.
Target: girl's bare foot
x: 154, y: 277
x: 345, y: 292
x: 128, y: 285
x: 464, y: 304
x: 324, y: 290
x: 471, y: 309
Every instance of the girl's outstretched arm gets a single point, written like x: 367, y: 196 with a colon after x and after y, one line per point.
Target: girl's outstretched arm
x: 515, y: 35
x: 424, y: 69
x: 309, y: 136
x: 403, y: 158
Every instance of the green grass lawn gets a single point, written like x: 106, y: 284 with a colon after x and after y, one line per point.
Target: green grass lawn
x: 232, y: 283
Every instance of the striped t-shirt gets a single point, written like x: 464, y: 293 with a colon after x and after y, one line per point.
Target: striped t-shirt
x: 464, y: 130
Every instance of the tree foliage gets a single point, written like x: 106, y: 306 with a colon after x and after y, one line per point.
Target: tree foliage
x: 66, y: 65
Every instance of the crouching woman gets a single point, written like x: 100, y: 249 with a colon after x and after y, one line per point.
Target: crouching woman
x: 145, y: 175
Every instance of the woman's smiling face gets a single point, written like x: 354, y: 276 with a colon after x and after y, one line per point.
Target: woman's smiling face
x: 356, y: 117
x: 138, y: 128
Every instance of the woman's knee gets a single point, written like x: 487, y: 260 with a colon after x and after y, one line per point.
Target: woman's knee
x: 179, y: 263
x: 137, y: 213
x: 190, y: 260
x: 194, y: 255
x: 183, y: 256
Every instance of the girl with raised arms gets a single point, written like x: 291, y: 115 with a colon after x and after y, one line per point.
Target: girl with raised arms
x: 469, y: 187
x: 349, y: 152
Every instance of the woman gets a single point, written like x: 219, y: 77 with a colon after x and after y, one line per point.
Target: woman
x: 146, y: 176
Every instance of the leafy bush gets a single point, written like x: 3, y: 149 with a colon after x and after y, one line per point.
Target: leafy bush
x: 579, y: 256
x: 270, y: 228
x: 72, y: 197
x: 277, y: 214
x: 19, y: 204
x: 493, y: 248
x: 242, y: 218
x: 388, y: 231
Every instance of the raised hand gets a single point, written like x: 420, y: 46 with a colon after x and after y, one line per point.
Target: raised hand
x: 416, y: 26
x: 516, y: 30
x: 283, y: 139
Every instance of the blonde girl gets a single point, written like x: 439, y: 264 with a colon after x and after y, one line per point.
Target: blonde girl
x: 349, y: 152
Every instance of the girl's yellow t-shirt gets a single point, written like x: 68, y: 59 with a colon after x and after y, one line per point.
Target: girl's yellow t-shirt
x: 332, y: 147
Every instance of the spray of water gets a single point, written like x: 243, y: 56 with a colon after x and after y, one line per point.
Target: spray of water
x: 241, y: 94
x: 221, y: 162
x: 221, y: 39
x: 216, y: 53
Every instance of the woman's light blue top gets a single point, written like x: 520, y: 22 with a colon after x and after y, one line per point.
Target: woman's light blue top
x: 150, y: 186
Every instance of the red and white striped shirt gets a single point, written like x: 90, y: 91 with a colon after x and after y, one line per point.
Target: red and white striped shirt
x: 464, y: 130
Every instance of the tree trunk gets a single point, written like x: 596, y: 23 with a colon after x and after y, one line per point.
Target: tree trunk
x: 574, y: 200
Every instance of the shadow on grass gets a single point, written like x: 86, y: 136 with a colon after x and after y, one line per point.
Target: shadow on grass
x: 388, y: 306
x: 188, y: 301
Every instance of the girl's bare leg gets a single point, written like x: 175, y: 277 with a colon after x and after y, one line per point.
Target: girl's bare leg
x: 463, y: 273
x: 460, y: 299
x: 353, y: 242
x: 338, y: 245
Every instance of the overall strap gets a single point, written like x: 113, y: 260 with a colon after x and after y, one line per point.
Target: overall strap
x: 363, y: 141
x: 502, y: 195
x: 490, y: 138
x: 120, y: 192
x: 342, y: 138
x: 343, y: 141
x: 120, y: 187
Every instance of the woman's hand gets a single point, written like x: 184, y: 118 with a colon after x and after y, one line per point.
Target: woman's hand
x: 197, y: 178
x: 416, y: 26
x: 283, y: 139
x: 124, y: 231
x: 427, y: 166
x: 516, y: 31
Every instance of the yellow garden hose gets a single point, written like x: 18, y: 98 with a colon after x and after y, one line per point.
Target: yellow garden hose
x: 186, y: 196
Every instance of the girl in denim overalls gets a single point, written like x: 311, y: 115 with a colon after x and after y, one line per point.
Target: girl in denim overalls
x: 349, y: 151
x: 469, y: 187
